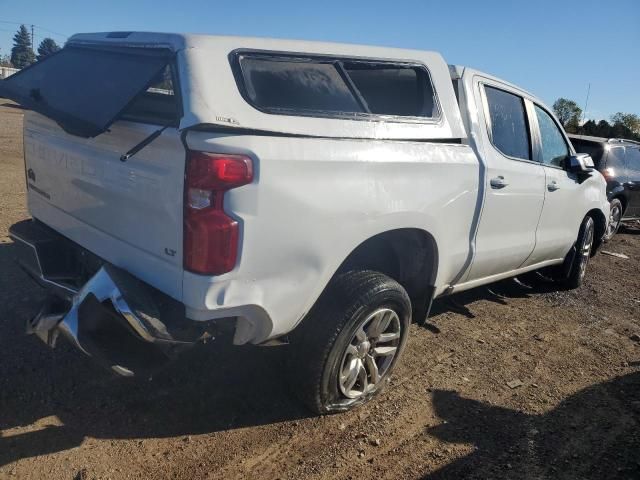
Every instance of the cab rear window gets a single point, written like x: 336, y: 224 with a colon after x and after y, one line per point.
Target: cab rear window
x: 323, y: 86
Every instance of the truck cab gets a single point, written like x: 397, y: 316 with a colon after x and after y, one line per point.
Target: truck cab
x: 531, y: 200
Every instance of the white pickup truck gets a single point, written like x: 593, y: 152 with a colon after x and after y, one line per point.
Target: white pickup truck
x: 311, y: 194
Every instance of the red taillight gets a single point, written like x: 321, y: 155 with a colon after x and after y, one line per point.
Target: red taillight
x: 210, y: 242
x: 210, y: 236
x: 218, y: 172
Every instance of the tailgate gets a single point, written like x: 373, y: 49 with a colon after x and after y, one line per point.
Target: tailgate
x: 91, y: 107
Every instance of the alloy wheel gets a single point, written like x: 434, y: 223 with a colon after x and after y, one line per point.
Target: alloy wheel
x: 615, y: 216
x: 585, y: 247
x: 370, y: 353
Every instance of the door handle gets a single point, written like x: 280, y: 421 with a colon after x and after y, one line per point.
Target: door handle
x: 498, y: 182
x: 553, y: 186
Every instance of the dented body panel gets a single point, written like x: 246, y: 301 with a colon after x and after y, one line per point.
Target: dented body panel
x: 315, y: 201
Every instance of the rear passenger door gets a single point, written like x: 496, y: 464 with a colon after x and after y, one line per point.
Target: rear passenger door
x: 633, y: 181
x: 513, y: 183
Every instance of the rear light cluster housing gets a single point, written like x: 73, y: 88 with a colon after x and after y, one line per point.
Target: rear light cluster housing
x: 211, y: 237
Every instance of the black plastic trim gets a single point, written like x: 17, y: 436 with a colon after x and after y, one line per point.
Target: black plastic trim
x: 211, y: 127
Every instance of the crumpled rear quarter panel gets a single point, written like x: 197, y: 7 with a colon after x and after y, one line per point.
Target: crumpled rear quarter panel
x: 312, y: 202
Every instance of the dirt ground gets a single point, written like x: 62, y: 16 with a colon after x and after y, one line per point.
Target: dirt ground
x: 450, y: 414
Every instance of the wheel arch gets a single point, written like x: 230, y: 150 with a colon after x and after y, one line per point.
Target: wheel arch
x: 408, y: 255
x: 621, y: 194
x: 623, y: 200
x: 600, y: 222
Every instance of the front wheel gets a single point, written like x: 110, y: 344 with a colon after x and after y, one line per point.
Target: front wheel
x: 583, y: 247
x: 615, y: 218
x: 348, y: 345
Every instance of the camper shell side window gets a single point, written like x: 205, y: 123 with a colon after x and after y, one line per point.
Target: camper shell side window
x: 327, y: 86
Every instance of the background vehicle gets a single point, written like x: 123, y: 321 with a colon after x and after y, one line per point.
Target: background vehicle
x: 319, y: 194
x: 619, y: 161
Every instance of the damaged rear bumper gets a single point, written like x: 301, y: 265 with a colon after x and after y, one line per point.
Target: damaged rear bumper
x: 108, y: 314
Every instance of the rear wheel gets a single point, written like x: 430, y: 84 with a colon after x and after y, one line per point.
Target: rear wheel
x: 583, y: 247
x: 615, y: 218
x: 345, y: 350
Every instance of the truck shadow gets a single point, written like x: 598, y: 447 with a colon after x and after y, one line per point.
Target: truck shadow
x: 595, y: 433
x: 499, y: 292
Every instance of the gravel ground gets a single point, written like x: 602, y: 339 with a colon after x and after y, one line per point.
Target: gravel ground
x: 573, y: 411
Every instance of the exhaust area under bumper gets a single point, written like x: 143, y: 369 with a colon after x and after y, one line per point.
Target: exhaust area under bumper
x: 120, y: 321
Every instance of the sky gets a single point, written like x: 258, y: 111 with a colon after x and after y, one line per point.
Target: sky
x: 552, y: 48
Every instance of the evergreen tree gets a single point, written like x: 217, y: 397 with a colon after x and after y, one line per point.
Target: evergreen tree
x: 604, y: 129
x: 47, y: 47
x: 22, y: 52
x: 589, y: 128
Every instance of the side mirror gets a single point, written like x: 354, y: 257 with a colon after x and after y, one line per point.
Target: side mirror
x: 580, y: 163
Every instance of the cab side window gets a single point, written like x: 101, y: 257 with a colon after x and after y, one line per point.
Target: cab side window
x: 509, y: 129
x: 616, y: 161
x: 554, y: 148
x: 633, y: 160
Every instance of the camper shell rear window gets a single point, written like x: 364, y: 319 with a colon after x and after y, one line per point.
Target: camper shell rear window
x: 159, y: 103
x: 86, y: 88
x: 323, y: 86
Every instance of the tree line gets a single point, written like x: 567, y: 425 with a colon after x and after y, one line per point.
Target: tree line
x: 621, y: 125
x: 22, y: 54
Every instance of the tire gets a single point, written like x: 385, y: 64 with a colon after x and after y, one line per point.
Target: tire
x: 615, y: 218
x: 337, y: 350
x: 580, y: 260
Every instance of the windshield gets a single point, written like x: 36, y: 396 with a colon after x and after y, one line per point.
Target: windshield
x: 85, y: 89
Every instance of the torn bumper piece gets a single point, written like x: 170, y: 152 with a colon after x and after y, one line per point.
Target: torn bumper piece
x: 114, y: 320
x: 107, y: 313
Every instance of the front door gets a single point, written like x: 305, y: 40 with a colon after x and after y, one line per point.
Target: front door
x: 514, y: 184
x: 563, y: 202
